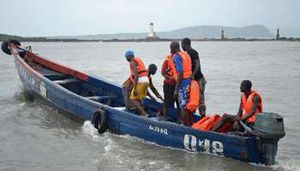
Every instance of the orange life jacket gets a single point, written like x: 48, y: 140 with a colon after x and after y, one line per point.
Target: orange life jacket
x: 194, y: 98
x: 206, y: 123
x: 187, y: 65
x: 142, y: 71
x: 247, y: 104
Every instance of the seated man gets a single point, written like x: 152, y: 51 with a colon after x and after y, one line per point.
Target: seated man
x: 138, y: 82
x: 251, y: 104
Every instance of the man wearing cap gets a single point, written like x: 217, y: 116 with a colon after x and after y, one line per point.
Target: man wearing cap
x: 138, y: 82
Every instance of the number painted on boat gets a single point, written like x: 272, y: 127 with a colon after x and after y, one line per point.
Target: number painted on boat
x: 158, y: 129
x: 192, y: 143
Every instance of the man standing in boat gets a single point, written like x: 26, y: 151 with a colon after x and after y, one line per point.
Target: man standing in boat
x: 168, y: 87
x: 182, y: 70
x: 138, y: 82
x: 250, y: 105
x: 197, y: 74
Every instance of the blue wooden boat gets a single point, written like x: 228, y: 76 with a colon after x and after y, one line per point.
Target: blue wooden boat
x: 93, y: 98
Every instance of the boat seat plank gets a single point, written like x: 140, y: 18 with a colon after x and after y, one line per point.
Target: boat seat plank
x: 54, y: 74
x: 97, y: 98
x: 45, y: 71
x: 66, y: 81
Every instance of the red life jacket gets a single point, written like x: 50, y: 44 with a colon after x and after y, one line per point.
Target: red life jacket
x: 187, y: 65
x: 167, y: 67
x: 247, y: 104
x: 168, y: 60
x: 142, y: 71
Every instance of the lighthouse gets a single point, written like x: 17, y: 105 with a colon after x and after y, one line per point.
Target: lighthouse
x: 222, y: 35
x: 277, y: 35
x: 152, y: 35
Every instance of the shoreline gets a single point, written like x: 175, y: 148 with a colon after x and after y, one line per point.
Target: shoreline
x: 158, y: 40
x: 4, y: 37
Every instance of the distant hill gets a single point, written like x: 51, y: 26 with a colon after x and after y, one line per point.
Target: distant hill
x: 289, y: 32
x: 4, y: 37
x: 254, y: 31
x: 195, y: 32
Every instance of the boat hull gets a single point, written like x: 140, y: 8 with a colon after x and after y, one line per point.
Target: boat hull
x: 163, y: 133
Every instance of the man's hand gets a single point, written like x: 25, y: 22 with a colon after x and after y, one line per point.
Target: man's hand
x: 134, y: 89
x: 135, y: 93
x: 235, y: 125
x: 202, y: 110
x: 237, y: 118
x: 152, y: 98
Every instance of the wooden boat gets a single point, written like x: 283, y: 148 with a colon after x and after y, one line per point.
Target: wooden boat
x: 93, y: 98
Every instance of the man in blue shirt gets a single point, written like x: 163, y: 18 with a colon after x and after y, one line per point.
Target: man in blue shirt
x: 197, y: 73
x: 182, y: 72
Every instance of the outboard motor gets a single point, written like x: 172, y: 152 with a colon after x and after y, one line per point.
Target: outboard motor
x: 269, y: 128
x: 5, y: 45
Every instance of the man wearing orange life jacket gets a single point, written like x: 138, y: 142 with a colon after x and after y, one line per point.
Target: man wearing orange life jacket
x: 168, y: 87
x: 138, y: 82
x: 182, y: 70
x: 251, y: 104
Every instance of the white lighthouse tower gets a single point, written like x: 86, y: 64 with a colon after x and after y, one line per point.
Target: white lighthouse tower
x: 152, y: 35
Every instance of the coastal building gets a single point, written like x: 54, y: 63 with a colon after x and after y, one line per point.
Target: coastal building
x: 152, y: 35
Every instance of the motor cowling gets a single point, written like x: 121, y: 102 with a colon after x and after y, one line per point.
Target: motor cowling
x: 269, y: 126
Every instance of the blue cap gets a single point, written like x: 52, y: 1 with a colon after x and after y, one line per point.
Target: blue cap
x: 129, y: 53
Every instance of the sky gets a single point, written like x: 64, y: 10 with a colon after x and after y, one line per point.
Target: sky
x: 82, y: 17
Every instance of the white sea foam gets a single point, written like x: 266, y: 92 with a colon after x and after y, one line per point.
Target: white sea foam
x: 289, y: 165
x: 89, y: 129
x: 108, y: 147
x: 152, y: 162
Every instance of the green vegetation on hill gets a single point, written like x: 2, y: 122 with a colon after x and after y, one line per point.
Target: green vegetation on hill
x: 4, y: 37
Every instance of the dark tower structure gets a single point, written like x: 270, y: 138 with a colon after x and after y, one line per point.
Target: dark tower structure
x: 222, y: 34
x: 277, y: 35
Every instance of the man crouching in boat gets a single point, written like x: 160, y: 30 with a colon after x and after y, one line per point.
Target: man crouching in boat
x: 251, y: 104
x: 152, y: 68
x: 138, y: 82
